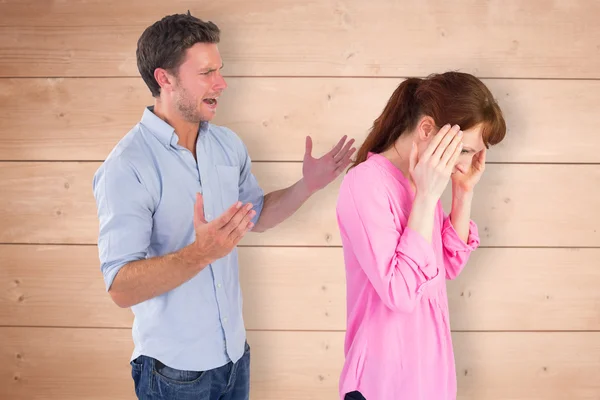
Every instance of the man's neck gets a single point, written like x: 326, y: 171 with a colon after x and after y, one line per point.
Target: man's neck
x: 185, y: 130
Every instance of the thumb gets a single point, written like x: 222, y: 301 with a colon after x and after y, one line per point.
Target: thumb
x: 481, y: 159
x: 199, y: 211
x: 309, y: 146
x: 413, y: 158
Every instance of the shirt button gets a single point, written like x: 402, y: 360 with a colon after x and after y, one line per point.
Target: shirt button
x: 209, y: 216
x: 225, y: 319
x: 219, y: 285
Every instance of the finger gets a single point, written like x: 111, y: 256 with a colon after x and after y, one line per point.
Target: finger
x: 199, y: 211
x: 339, y: 156
x: 226, y: 217
x: 481, y: 159
x: 445, y: 142
x: 454, y: 159
x: 346, y: 157
x: 449, y: 151
x: 237, y: 218
x: 344, y: 162
x: 412, y: 161
x: 309, y: 146
x: 242, y: 228
x: 436, y: 141
x: 336, y: 149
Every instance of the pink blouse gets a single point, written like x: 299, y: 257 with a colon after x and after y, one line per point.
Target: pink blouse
x: 398, y: 344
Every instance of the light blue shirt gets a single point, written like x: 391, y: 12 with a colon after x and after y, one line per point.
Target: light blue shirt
x: 145, y: 194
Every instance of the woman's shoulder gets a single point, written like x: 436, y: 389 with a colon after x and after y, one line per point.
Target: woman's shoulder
x: 371, y: 176
x: 371, y: 184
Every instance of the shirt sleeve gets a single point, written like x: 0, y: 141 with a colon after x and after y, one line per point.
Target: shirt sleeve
x: 398, y: 263
x: 125, y: 210
x: 249, y: 189
x: 456, y: 251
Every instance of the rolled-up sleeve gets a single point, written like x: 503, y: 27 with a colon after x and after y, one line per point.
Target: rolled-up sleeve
x: 456, y: 251
x: 124, y: 208
x: 249, y: 189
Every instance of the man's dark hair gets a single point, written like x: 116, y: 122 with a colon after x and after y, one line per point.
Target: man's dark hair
x: 163, y: 44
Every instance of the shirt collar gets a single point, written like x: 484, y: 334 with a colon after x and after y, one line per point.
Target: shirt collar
x: 164, y: 132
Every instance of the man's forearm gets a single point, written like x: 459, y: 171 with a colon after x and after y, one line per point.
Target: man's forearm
x: 141, y: 280
x: 460, y: 216
x: 281, y: 204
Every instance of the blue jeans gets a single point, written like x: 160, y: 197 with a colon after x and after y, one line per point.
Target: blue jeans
x: 153, y: 381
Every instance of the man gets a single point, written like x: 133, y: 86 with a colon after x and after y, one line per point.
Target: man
x: 175, y: 197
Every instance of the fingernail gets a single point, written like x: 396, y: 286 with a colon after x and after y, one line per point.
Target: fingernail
x: 249, y: 206
x: 460, y: 133
x: 238, y: 204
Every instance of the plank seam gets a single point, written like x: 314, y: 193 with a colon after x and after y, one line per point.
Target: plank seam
x: 311, y: 330
x: 306, y: 77
x: 300, y: 162
x: 305, y: 246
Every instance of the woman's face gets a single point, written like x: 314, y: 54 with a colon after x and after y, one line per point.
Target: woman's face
x: 472, y: 144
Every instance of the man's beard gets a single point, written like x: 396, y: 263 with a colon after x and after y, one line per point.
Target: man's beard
x: 187, y: 107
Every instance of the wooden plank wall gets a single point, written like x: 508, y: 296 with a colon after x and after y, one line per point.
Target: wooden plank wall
x: 526, y: 312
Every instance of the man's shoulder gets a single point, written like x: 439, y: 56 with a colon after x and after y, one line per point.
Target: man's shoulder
x: 129, y: 153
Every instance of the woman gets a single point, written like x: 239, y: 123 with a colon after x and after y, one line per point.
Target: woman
x: 399, y: 245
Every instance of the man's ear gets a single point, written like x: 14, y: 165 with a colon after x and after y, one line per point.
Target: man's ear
x: 164, y: 80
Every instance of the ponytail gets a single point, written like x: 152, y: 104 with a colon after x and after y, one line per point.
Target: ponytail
x: 449, y: 98
x: 399, y: 115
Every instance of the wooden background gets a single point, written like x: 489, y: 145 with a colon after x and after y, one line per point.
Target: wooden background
x: 526, y: 312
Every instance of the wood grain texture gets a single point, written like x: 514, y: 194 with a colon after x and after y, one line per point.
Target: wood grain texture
x: 299, y: 365
x: 70, y: 89
x: 515, y: 205
x: 516, y: 38
x: 304, y: 289
x: 56, y: 286
x: 82, y: 119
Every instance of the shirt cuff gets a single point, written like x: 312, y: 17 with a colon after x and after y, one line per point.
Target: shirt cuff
x: 453, y: 242
x: 258, y: 207
x: 112, y: 268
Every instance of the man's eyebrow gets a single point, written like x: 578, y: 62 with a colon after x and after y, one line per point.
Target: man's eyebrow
x: 208, y: 69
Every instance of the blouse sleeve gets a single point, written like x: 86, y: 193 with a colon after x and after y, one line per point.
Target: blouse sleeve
x: 397, y: 263
x: 456, y: 251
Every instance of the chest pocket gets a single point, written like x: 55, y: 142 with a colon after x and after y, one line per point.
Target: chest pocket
x: 229, y: 180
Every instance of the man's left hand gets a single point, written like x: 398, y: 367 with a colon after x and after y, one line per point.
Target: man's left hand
x: 320, y: 172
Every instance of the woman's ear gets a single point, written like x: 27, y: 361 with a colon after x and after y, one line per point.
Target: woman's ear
x: 426, y: 128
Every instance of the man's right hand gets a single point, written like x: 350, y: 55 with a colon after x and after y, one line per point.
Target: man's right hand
x: 219, y: 237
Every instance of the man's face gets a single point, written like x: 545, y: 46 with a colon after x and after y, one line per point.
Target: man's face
x: 199, y: 83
